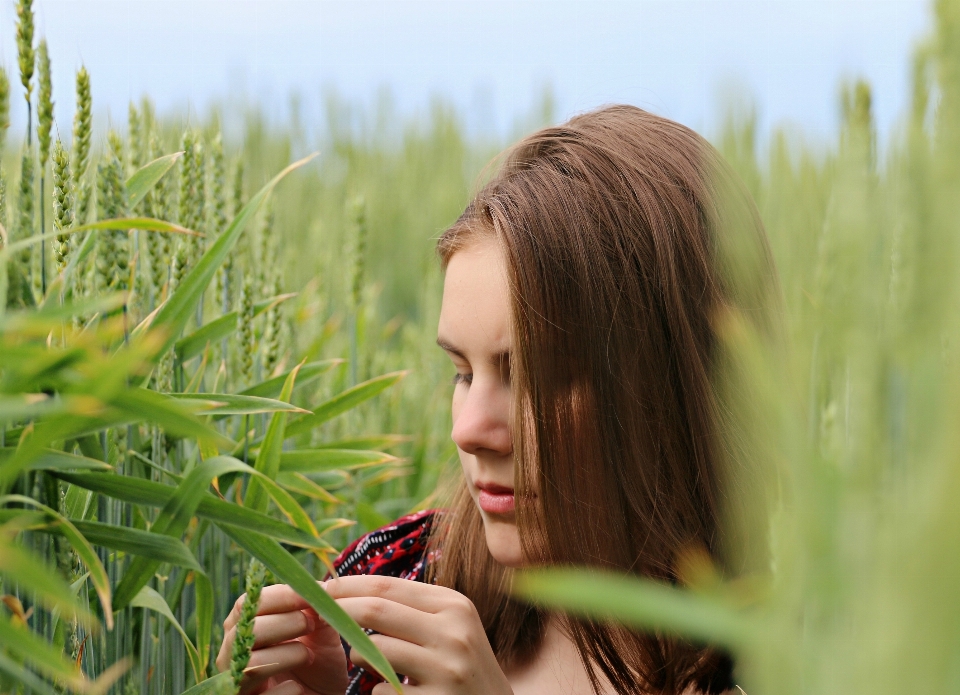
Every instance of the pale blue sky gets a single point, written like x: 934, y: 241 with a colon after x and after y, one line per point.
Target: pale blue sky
x: 489, y: 58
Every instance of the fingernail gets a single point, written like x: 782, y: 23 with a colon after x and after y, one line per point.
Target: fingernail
x: 311, y: 656
x: 311, y: 623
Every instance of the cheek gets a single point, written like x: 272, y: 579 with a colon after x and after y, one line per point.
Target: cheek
x: 457, y: 402
x: 456, y: 407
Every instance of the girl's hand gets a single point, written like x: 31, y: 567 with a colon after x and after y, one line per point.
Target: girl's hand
x: 431, y: 634
x: 292, y: 643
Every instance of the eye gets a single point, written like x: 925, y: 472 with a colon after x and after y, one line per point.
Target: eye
x: 459, y: 378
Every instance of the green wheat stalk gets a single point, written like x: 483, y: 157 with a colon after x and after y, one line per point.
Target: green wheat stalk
x: 3, y: 204
x: 159, y: 247
x: 62, y: 205
x: 4, y: 107
x: 246, y: 344
x: 44, y: 126
x: 139, y: 143
x: 24, y: 222
x: 218, y: 219
x: 82, y: 130
x: 237, y: 201
x: 357, y: 214
x: 273, y: 328
x: 113, y: 249
x: 266, y: 259
x: 187, y: 209
x: 26, y: 56
x: 243, y: 642
x: 198, y: 201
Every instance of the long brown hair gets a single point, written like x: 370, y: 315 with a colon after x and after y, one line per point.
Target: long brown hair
x: 614, y: 228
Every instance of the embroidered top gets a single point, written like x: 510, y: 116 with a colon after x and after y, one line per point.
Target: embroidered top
x: 397, y: 550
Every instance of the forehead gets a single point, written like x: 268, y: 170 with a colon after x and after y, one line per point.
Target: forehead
x: 475, y: 314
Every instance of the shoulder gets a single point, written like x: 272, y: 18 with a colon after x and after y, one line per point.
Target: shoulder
x: 397, y: 550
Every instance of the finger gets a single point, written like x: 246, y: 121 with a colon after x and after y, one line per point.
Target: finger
x: 278, y: 598
x: 270, y: 685
x: 424, y: 597
x: 390, y: 618
x: 274, y: 660
x: 262, y: 685
x: 387, y: 689
x: 287, y: 688
x: 280, y: 627
x: 409, y: 659
x: 226, y: 648
x: 269, y: 630
x: 256, y: 689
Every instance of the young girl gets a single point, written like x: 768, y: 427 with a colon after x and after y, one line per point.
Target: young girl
x: 583, y: 289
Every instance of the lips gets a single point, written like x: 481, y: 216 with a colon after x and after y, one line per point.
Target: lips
x: 495, y: 499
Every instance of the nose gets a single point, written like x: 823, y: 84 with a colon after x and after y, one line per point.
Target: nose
x: 481, y: 420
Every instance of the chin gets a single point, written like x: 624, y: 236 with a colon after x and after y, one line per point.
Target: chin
x: 503, y: 542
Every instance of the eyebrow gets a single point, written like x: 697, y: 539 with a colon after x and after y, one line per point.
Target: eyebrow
x: 500, y: 359
x: 447, y: 347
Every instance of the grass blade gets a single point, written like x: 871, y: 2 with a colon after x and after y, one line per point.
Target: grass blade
x: 229, y: 404
x: 21, y: 675
x: 221, y: 512
x: 151, y: 600
x: 146, y: 224
x: 343, y: 402
x: 376, y: 442
x: 85, y: 551
x: 167, y: 412
x: 135, y: 541
x: 221, y: 684
x: 639, y: 603
x: 204, y: 599
x: 268, y: 458
x: 314, y: 460
x: 148, y: 176
x: 302, y: 485
x: 53, y: 460
x: 20, y: 567
x: 271, y: 388
x: 47, y: 659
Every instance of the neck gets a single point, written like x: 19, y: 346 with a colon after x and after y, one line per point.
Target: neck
x: 555, y: 668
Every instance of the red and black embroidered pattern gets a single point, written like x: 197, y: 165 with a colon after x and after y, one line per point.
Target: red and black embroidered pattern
x: 397, y: 550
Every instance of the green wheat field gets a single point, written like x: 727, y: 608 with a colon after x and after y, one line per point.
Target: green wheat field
x: 217, y: 368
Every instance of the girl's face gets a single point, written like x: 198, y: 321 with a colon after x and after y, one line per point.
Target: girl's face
x: 475, y: 332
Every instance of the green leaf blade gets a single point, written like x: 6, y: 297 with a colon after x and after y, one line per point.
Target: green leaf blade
x: 268, y: 458
x: 343, y: 402
x: 221, y: 512
x: 315, y: 460
x: 230, y: 404
x: 150, y: 599
x: 138, y: 542
x: 85, y: 551
x: 148, y: 176
x: 636, y: 602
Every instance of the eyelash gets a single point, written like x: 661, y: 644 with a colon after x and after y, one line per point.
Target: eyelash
x: 459, y: 378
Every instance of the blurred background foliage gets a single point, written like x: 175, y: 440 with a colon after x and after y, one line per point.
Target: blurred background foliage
x: 854, y: 417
